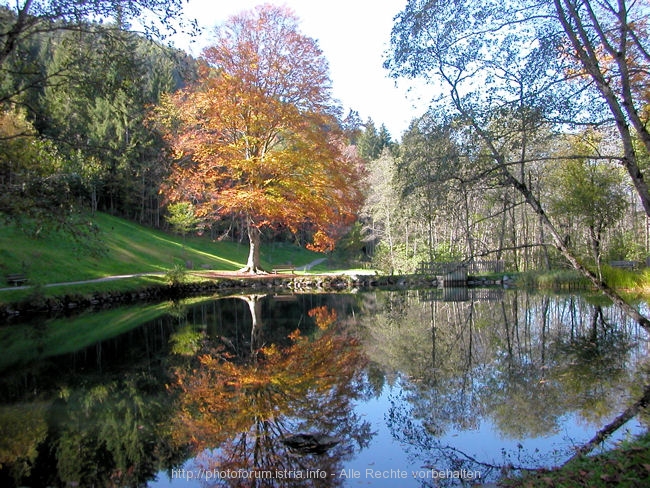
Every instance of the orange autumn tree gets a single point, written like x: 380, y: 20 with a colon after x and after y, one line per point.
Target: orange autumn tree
x: 257, y: 136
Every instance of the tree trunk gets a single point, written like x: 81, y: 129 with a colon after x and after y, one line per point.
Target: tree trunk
x: 574, y: 27
x: 560, y: 245
x: 255, y: 306
x: 253, y: 264
x: 594, y: 243
x: 23, y: 22
x: 613, y: 426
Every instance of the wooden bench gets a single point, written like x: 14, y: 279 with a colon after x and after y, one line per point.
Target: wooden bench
x: 624, y: 264
x: 16, y: 279
x: 284, y: 267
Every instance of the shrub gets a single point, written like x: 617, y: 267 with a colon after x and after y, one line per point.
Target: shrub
x: 176, y: 275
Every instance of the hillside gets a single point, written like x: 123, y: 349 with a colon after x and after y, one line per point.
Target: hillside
x: 124, y: 247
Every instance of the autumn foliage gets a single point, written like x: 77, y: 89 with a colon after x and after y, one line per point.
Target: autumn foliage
x: 257, y: 136
x: 222, y: 396
x: 237, y: 412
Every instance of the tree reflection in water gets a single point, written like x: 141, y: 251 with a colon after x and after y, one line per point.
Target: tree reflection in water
x: 212, y: 381
x: 235, y: 410
x: 522, y: 363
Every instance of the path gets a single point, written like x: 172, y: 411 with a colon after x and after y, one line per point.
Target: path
x: 306, y: 267
x: 309, y: 266
x: 84, y: 282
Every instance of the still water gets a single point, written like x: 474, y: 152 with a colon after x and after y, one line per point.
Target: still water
x: 410, y: 388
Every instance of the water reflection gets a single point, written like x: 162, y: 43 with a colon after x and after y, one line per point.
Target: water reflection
x: 322, y: 385
x: 522, y: 366
x: 94, y: 417
x: 274, y: 412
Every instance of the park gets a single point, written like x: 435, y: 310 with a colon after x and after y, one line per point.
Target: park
x: 210, y: 265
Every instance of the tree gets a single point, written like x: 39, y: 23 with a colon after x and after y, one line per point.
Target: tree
x: 34, y: 192
x: 589, y: 191
x: 97, y: 114
x: 85, y: 85
x: 257, y: 136
x: 181, y: 217
x: 428, y: 166
x: 610, y: 45
x: 381, y: 209
x: 371, y: 142
x: 30, y: 18
x: 501, y: 60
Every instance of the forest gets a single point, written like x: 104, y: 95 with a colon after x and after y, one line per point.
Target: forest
x: 535, y: 152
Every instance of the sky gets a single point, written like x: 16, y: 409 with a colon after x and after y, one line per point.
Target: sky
x: 354, y: 35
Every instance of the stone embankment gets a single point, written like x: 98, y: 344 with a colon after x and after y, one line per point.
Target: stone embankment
x: 38, y: 303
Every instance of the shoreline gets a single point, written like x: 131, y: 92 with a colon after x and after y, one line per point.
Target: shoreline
x: 218, y: 282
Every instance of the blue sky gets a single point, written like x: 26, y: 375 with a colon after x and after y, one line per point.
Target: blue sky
x: 353, y: 34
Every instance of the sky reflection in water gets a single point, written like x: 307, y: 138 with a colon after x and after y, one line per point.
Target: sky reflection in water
x: 408, y: 383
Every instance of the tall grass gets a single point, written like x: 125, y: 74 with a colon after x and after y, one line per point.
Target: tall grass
x: 553, y: 279
x: 625, y: 279
x: 617, y: 278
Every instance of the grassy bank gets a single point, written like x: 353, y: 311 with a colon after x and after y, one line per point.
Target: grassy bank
x: 628, y: 465
x: 633, y: 281
x: 124, y: 247
x: 552, y: 279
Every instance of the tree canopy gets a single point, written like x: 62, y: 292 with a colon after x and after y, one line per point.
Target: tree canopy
x: 77, y: 82
x: 518, y: 73
x: 257, y: 137
x: 31, y: 18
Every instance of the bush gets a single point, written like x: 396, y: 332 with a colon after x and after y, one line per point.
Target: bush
x: 176, y: 275
x: 625, y: 247
x: 401, y: 261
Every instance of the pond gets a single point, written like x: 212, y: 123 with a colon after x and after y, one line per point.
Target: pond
x: 444, y: 387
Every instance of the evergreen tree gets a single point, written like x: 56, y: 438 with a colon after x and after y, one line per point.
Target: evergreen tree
x: 89, y: 91
x: 99, y: 114
x: 371, y: 142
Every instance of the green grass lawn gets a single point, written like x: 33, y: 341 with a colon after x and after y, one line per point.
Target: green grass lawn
x: 126, y: 248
